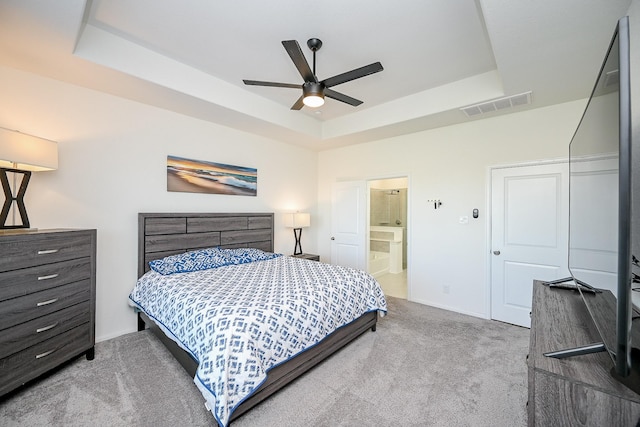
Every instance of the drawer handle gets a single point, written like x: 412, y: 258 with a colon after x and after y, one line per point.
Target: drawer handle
x: 45, y: 354
x: 51, y: 301
x: 47, y: 251
x: 50, y: 276
x: 46, y: 328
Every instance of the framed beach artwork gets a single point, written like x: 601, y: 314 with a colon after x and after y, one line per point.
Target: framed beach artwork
x: 198, y: 176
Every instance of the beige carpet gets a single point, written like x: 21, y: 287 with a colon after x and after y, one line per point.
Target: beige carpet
x: 423, y: 367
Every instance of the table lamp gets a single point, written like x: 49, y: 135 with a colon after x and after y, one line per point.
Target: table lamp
x: 297, y: 221
x: 21, y: 154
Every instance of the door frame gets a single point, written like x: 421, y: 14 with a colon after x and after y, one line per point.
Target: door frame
x: 488, y: 221
x: 408, y: 225
x: 367, y: 180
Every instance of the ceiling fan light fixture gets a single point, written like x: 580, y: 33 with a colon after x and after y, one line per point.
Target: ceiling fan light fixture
x: 314, y: 90
x: 313, y: 95
x: 313, y: 101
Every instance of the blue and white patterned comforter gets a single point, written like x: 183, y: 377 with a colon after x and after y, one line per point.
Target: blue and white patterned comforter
x: 239, y: 321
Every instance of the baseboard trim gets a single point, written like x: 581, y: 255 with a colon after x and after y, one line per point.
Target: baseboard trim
x: 450, y: 308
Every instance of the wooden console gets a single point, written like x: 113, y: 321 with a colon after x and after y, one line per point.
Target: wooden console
x: 577, y: 391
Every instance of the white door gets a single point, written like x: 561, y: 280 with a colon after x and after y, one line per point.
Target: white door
x: 529, y: 235
x: 594, y: 250
x: 348, y: 224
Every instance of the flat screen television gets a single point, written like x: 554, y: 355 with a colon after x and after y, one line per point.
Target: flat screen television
x: 600, y: 209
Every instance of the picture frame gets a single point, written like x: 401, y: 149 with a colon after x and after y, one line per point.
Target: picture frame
x: 200, y: 176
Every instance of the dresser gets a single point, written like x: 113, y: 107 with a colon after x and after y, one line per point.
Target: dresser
x: 47, y: 301
x: 580, y: 390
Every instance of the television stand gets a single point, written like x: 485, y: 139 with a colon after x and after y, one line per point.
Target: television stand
x: 579, y: 390
x: 577, y: 351
x: 573, y: 284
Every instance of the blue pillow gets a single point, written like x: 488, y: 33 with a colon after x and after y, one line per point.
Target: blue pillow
x: 245, y: 255
x: 201, y: 259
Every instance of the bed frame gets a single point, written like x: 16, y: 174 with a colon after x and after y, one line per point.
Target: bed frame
x: 163, y: 234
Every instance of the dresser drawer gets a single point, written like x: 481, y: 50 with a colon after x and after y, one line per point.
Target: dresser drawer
x: 28, y: 307
x: 30, y: 250
x: 18, y: 283
x: 34, y: 331
x: 29, y: 363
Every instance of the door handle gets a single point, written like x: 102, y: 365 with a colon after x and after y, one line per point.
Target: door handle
x: 496, y: 252
x: 47, y: 251
x: 333, y: 238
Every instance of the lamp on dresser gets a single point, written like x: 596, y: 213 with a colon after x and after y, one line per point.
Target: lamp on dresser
x: 297, y: 221
x: 21, y: 154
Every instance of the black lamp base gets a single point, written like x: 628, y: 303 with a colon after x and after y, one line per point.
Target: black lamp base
x: 9, y: 199
x: 297, y: 232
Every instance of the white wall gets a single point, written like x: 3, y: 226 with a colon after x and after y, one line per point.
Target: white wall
x: 450, y: 164
x: 112, y: 165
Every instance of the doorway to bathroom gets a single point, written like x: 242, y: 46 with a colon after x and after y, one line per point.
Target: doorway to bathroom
x: 388, y: 232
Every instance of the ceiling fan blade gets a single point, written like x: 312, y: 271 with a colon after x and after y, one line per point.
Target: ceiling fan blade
x: 299, y: 104
x: 341, y: 97
x: 274, y: 84
x: 353, y: 74
x: 293, y: 49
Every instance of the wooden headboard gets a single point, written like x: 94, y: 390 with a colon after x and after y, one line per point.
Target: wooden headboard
x: 163, y: 234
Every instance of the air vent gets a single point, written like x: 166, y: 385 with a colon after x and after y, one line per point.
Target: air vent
x: 497, y: 104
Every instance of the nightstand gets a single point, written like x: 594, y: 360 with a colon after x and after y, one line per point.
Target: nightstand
x: 310, y: 257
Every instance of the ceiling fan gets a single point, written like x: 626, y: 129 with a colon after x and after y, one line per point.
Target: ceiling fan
x: 313, y: 90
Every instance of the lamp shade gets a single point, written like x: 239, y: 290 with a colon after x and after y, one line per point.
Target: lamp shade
x: 297, y: 220
x: 26, y: 152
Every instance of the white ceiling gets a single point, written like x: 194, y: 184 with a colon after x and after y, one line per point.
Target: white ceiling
x: 191, y: 56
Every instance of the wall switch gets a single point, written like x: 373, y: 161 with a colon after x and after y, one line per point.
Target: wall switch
x: 463, y: 219
x: 446, y: 289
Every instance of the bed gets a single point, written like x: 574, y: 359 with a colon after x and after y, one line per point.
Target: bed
x: 163, y: 235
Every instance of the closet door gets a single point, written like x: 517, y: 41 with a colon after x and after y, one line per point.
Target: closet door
x: 348, y: 224
x: 529, y: 235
